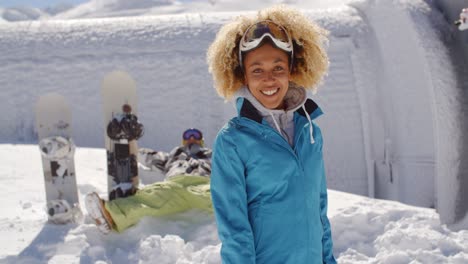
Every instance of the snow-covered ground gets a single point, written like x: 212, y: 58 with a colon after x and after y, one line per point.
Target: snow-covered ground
x: 364, y: 230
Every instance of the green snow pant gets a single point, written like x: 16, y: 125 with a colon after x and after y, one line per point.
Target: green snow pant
x: 175, y: 195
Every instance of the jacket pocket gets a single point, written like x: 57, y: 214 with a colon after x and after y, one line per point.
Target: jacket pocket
x: 273, y: 238
x: 256, y: 222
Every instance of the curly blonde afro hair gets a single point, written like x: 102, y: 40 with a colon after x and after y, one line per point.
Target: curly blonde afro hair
x: 310, y: 62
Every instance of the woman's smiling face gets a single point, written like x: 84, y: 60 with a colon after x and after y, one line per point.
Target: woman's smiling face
x: 267, y: 75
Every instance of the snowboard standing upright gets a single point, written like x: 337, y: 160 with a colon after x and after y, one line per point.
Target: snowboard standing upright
x: 53, y: 124
x: 122, y: 130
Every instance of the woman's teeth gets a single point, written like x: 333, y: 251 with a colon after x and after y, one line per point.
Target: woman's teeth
x: 270, y: 92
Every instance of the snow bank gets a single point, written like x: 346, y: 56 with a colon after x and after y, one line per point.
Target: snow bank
x: 376, y: 231
x: 15, y: 14
x: 119, y: 8
x: 125, y: 8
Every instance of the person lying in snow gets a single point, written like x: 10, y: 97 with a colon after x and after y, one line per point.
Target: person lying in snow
x: 187, y: 171
x: 191, y: 158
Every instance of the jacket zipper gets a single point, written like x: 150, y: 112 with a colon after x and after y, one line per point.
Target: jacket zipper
x: 288, y: 147
x: 265, y: 127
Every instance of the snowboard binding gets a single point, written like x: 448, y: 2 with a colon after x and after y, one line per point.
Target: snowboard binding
x: 123, y: 170
x: 61, y: 212
x: 122, y: 190
x: 125, y: 126
x: 117, y: 165
x: 56, y: 148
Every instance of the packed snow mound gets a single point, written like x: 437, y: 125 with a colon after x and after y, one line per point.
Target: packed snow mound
x: 59, y: 8
x: 135, y: 4
x: 376, y: 231
x: 18, y: 14
x: 114, y: 8
x: 22, y: 14
x: 117, y: 8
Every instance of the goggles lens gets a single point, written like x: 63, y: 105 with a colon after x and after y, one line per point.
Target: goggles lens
x: 192, y: 132
x: 254, y: 35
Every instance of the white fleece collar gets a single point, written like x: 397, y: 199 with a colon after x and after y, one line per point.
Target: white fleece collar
x: 295, y: 97
x: 281, y: 120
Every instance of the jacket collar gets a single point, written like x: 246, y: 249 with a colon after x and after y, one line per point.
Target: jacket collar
x: 246, y: 109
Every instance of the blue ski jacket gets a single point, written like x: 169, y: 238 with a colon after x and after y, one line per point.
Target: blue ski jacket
x: 270, y: 199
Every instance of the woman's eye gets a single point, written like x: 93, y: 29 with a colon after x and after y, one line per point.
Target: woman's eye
x: 257, y: 71
x: 279, y: 68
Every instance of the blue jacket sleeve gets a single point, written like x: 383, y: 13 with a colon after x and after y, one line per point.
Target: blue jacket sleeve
x: 327, y: 243
x: 228, y: 192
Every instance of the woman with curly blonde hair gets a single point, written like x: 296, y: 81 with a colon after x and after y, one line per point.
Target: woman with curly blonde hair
x: 268, y: 184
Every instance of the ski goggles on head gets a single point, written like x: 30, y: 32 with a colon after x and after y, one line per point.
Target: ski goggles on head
x: 192, y: 133
x: 256, y: 33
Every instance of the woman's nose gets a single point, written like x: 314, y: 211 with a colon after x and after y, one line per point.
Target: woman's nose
x: 269, y: 76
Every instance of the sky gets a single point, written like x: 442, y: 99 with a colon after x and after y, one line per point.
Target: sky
x: 37, y: 3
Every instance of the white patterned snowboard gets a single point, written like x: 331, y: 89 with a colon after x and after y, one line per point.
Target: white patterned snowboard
x: 53, y: 124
